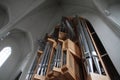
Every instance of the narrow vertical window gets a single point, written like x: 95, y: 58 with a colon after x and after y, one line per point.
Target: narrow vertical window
x: 4, y: 54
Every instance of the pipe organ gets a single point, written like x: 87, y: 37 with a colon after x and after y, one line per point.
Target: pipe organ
x: 72, y: 52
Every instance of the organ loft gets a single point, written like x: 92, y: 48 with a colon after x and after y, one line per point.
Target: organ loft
x: 59, y: 40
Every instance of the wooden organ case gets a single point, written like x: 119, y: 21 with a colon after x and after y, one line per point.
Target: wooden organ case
x: 73, y: 52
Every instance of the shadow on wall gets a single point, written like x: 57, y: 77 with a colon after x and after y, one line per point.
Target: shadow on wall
x: 4, y: 17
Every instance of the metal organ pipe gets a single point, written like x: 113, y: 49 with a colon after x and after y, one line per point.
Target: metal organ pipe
x: 58, y: 56
x: 88, y: 48
x: 84, y: 44
x: 92, y: 49
x: 44, y: 62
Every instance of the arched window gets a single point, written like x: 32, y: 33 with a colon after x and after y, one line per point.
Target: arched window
x: 4, y: 54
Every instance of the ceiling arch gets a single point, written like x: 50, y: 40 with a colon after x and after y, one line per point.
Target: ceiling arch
x: 20, y: 44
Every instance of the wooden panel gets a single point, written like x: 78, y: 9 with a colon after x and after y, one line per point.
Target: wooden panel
x: 55, y: 74
x: 52, y: 41
x: 70, y: 70
x: 38, y: 77
x: 94, y: 76
x: 71, y: 46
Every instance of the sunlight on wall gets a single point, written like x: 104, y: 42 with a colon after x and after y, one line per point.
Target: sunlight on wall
x: 4, y: 54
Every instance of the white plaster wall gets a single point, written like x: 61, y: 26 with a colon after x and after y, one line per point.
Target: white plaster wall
x: 39, y: 22
x: 11, y: 63
x: 115, y: 13
x: 4, y: 18
x: 110, y: 11
x: 17, y: 8
x: 19, y: 51
x: 103, y: 5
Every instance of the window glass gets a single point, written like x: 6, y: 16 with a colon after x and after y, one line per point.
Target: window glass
x: 4, y: 54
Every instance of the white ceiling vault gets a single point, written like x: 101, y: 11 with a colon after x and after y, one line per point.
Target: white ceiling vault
x: 35, y: 18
